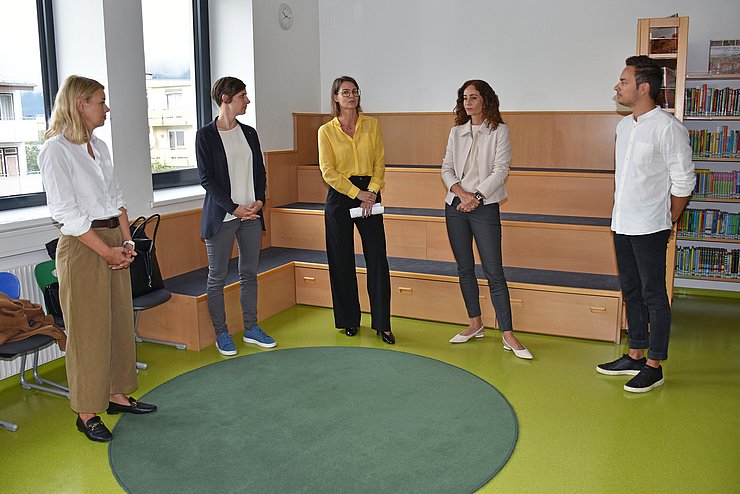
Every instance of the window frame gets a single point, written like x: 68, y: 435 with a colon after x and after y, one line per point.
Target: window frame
x: 50, y: 83
x: 204, y: 111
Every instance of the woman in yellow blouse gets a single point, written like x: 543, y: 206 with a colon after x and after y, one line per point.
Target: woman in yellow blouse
x: 352, y: 162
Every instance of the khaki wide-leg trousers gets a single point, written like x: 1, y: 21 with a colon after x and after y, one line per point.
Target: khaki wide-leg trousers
x: 98, y: 316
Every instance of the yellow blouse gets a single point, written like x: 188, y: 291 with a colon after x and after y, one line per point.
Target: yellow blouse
x: 342, y: 156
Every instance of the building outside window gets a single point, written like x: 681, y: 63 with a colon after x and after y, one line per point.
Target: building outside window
x: 170, y: 84
x: 22, y: 104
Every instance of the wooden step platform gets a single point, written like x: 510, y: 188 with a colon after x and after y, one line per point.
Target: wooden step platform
x: 583, y: 305
x: 560, y: 243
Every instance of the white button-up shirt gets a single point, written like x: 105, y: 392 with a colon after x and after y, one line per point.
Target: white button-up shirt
x: 653, y: 162
x: 79, y: 189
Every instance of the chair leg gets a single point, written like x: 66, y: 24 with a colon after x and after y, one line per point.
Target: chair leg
x: 139, y: 339
x: 137, y: 313
x: 51, y: 387
x: 8, y: 425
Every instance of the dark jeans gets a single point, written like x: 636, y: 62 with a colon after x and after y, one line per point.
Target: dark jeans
x: 641, y: 262
x: 340, y: 252
x: 483, y: 224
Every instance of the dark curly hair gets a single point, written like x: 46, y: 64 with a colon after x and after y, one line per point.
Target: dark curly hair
x: 491, y: 114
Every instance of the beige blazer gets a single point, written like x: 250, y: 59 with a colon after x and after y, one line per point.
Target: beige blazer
x: 494, y: 160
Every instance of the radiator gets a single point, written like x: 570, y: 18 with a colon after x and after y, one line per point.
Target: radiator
x: 30, y: 291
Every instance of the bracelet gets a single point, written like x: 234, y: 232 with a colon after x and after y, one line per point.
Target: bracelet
x: 129, y: 242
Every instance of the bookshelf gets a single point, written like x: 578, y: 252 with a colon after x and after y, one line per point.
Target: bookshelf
x: 708, y: 238
x: 666, y: 39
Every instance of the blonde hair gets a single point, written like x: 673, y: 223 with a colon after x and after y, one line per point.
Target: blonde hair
x: 66, y: 118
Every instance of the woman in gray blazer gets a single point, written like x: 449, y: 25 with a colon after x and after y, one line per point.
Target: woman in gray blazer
x: 474, y: 170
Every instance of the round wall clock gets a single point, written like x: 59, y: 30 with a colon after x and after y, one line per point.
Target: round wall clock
x: 285, y: 16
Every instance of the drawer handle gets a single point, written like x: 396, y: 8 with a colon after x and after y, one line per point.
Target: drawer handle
x: 597, y: 310
x: 404, y: 289
x: 516, y: 301
x: 309, y: 279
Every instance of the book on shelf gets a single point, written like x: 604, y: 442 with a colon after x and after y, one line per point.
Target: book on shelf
x: 724, y: 56
x: 709, y: 223
x: 716, y: 185
x: 705, y: 101
x: 725, y: 143
x: 707, y: 262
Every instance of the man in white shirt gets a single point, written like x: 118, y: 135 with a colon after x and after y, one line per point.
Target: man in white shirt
x: 654, y: 178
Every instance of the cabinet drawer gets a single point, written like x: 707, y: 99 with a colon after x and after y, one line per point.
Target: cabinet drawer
x: 312, y: 287
x: 434, y: 300
x: 566, y: 314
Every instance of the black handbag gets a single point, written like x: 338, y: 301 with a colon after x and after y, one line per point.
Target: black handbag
x: 51, y: 300
x: 145, y: 274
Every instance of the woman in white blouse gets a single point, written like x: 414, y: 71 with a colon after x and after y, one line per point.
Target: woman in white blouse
x: 94, y: 252
x: 474, y: 169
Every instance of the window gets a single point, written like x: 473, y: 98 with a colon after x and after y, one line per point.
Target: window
x: 177, y: 139
x: 27, y: 86
x: 7, y: 112
x: 177, y: 82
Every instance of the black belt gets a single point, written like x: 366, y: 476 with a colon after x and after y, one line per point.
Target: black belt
x: 109, y: 223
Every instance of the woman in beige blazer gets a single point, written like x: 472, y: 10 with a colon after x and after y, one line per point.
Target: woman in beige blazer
x: 474, y: 170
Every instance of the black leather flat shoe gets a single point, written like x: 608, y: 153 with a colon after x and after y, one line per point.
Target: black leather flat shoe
x: 94, y: 429
x: 351, y: 331
x: 136, y: 407
x: 387, y: 337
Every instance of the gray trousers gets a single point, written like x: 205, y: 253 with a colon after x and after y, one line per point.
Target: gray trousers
x: 483, y: 224
x: 249, y: 240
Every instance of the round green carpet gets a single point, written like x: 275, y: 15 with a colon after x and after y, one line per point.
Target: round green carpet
x: 319, y: 420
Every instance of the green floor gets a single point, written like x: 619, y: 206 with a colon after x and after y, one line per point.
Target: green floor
x: 579, y: 431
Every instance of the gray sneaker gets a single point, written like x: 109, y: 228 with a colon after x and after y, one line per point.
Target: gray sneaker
x: 647, y: 379
x: 257, y: 336
x: 623, y: 366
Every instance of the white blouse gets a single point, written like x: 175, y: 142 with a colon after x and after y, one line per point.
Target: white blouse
x: 79, y: 189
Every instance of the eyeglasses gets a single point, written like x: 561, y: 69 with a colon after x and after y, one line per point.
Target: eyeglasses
x: 350, y: 92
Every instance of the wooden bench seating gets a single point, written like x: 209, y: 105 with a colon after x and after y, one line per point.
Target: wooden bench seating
x: 543, y: 301
x: 562, y: 243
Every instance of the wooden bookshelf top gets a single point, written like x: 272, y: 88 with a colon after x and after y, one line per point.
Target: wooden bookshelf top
x: 711, y: 117
x: 725, y: 160
x: 710, y: 239
x: 713, y: 199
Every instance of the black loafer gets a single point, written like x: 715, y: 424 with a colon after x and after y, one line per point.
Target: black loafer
x: 351, y: 331
x: 136, y: 407
x: 387, y: 337
x: 95, y: 430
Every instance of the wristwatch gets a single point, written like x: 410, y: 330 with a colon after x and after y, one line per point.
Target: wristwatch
x: 479, y: 197
x: 129, y: 242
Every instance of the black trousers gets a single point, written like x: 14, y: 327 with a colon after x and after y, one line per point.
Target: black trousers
x: 341, y: 255
x: 641, y: 263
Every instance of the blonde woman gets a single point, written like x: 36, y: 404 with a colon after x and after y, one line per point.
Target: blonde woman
x: 94, y: 252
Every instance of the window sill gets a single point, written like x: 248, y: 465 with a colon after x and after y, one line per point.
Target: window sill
x: 24, y: 218
x: 177, y: 195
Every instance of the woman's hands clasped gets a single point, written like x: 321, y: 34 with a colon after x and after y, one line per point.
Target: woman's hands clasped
x: 246, y: 213
x: 367, y: 199
x: 120, y: 257
x: 468, y: 202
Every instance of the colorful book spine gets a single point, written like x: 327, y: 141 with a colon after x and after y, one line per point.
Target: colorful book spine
x: 709, y: 223
x: 725, y: 143
x: 707, y: 101
x: 717, y: 185
x: 707, y: 262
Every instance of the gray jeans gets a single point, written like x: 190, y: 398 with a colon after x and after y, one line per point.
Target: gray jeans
x: 483, y: 224
x: 248, y: 239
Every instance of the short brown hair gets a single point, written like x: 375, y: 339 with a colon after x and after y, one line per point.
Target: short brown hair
x: 228, y: 86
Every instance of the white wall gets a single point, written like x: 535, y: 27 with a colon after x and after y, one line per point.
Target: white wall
x: 286, y: 67
x: 412, y: 55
